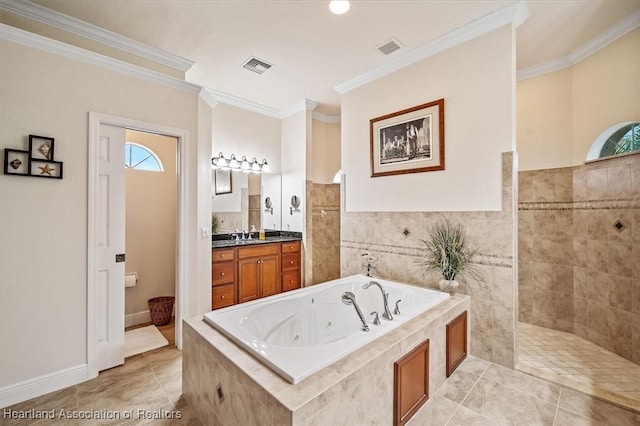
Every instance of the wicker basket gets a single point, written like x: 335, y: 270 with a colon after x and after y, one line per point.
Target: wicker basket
x: 160, y: 309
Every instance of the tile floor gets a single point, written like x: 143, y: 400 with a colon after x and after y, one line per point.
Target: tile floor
x: 478, y: 393
x: 569, y: 360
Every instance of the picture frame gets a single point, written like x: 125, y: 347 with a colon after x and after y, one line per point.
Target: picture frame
x: 46, y: 169
x: 408, y: 141
x: 223, y: 183
x: 41, y: 148
x: 16, y: 162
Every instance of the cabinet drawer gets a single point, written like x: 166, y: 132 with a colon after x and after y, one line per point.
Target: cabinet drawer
x: 222, y: 295
x: 291, y: 260
x: 258, y: 250
x: 290, y: 280
x: 221, y: 255
x: 291, y: 247
x: 222, y: 272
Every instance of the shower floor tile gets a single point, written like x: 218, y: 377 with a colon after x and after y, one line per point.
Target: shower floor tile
x: 576, y: 363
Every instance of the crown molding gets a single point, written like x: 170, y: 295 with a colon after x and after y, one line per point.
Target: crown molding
x: 607, y: 37
x: 610, y: 35
x: 206, y: 95
x: 84, y: 29
x: 26, y: 38
x: 326, y: 118
x: 515, y: 14
x: 304, y: 105
x: 225, y: 98
x: 544, y: 68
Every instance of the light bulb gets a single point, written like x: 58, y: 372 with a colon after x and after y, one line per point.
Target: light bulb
x: 339, y: 6
x: 265, y: 166
x: 233, y: 163
x: 245, y: 164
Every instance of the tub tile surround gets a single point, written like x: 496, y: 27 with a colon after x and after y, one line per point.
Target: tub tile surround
x: 493, y: 307
x: 578, y: 272
x: 256, y: 395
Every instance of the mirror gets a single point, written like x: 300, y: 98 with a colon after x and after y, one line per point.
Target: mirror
x: 246, y: 205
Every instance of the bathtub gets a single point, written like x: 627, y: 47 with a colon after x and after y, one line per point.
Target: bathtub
x: 303, y: 331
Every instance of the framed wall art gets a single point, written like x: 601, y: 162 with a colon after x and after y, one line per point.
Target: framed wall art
x: 223, y: 181
x: 16, y: 162
x: 37, y: 161
x: 408, y: 141
x: 46, y: 169
x: 40, y: 148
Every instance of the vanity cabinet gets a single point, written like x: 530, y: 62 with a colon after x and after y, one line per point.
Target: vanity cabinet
x: 456, y: 342
x: 249, y: 272
x: 223, y: 269
x: 258, y: 272
x: 411, y: 383
x: 291, y: 275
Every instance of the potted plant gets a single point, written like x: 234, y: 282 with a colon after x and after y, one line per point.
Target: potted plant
x: 449, y: 251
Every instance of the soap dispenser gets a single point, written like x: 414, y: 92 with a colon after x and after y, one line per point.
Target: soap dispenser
x: 261, y: 235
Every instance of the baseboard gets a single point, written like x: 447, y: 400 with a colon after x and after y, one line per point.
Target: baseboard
x: 143, y: 317
x: 137, y: 318
x: 23, y: 391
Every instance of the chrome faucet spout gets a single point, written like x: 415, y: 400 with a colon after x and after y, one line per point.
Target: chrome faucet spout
x: 348, y: 298
x: 385, y: 299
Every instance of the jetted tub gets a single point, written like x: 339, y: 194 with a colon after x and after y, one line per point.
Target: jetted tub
x: 300, y: 332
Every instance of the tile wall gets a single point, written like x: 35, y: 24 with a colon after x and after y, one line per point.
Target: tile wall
x: 579, y: 251
x: 255, y: 213
x: 395, y: 239
x: 326, y: 232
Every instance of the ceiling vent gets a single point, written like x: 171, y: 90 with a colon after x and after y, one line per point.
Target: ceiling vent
x: 256, y: 65
x: 389, y: 46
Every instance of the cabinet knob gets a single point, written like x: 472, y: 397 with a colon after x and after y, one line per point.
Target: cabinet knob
x: 290, y: 281
x: 291, y: 262
x: 222, y: 274
x: 222, y: 255
x: 222, y: 297
x: 290, y: 247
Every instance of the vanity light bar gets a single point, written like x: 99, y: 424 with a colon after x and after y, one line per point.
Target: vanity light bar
x: 244, y: 165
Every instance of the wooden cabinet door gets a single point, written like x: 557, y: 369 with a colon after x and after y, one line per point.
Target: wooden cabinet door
x: 248, y: 279
x: 411, y: 383
x: 270, y: 275
x: 456, y: 342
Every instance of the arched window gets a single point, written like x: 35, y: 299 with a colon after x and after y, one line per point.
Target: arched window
x: 620, y: 139
x: 141, y: 158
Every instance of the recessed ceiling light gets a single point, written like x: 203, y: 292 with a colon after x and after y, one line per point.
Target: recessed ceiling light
x: 339, y: 6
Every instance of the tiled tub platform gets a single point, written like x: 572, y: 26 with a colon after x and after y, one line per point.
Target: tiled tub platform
x: 226, y: 386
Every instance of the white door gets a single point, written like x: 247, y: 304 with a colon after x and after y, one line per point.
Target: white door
x: 110, y: 243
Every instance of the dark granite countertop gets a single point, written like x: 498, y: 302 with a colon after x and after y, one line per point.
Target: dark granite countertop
x: 224, y: 240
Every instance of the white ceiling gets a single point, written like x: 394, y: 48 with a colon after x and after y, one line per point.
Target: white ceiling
x: 314, y: 51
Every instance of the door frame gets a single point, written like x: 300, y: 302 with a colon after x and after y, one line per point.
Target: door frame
x: 95, y: 120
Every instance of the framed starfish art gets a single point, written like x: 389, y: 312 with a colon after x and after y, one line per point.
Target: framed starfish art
x: 38, y: 161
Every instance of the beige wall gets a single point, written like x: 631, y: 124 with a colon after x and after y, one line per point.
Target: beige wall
x: 326, y: 151
x: 560, y: 114
x: 378, y: 210
x: 545, y: 121
x: 476, y: 79
x: 151, y: 212
x: 43, y: 224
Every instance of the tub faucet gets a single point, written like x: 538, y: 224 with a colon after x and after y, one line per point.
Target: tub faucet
x: 348, y: 298
x: 385, y: 299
